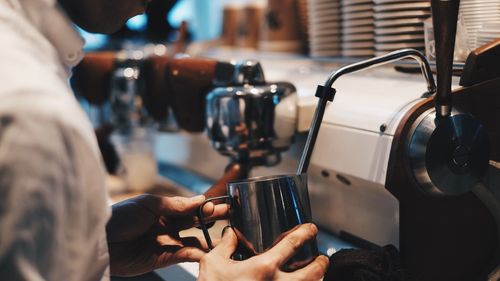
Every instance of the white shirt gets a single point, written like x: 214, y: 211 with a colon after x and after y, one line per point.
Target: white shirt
x: 53, y: 202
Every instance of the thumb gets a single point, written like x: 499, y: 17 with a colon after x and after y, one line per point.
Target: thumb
x: 227, y: 244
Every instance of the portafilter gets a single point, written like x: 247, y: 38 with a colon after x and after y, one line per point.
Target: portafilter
x: 248, y: 119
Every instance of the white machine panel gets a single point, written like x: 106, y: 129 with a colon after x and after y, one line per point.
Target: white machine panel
x: 348, y: 204
x: 364, y: 102
x: 350, y: 159
x: 353, y: 152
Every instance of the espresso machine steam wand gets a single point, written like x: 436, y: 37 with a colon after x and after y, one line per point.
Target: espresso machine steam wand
x: 326, y: 93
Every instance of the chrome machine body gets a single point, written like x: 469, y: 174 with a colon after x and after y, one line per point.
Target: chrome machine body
x: 249, y: 119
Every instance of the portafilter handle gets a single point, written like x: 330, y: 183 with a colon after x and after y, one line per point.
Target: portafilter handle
x: 179, y: 85
x: 326, y: 93
x: 91, y: 78
x: 234, y: 171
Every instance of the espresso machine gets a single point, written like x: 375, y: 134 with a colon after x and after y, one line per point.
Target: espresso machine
x: 419, y: 172
x: 247, y: 119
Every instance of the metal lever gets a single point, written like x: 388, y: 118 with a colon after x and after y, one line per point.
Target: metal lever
x: 362, y: 65
x: 444, y: 18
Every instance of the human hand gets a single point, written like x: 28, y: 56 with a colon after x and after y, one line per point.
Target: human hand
x: 218, y: 266
x: 143, y: 232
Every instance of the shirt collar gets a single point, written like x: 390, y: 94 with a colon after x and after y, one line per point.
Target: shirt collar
x: 49, y: 17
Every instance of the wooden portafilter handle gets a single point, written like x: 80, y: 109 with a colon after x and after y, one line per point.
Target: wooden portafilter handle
x: 154, y: 86
x: 189, y: 80
x: 234, y: 171
x: 91, y: 78
x: 165, y: 82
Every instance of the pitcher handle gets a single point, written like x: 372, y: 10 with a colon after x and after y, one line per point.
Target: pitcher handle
x: 203, y: 225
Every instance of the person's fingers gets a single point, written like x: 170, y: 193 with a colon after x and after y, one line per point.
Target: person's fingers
x: 162, y: 205
x: 180, y: 242
x: 220, y: 211
x: 181, y: 205
x: 227, y: 245
x: 180, y: 223
x: 128, y: 221
x: 194, y: 242
x: 173, y: 255
x: 313, y: 271
x: 208, y: 209
x: 189, y: 254
x: 215, y: 210
x: 169, y: 241
x: 185, y: 249
x: 290, y: 243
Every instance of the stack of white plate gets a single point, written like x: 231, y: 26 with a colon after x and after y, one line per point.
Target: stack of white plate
x: 488, y: 33
x: 476, y: 13
x: 324, y: 28
x: 357, y: 28
x: 400, y: 24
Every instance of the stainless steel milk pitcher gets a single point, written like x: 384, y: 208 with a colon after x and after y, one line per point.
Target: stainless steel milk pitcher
x: 262, y: 210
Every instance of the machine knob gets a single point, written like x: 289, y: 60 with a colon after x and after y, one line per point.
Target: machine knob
x: 448, y: 156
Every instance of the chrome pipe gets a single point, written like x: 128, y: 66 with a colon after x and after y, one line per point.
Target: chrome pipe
x: 355, y: 67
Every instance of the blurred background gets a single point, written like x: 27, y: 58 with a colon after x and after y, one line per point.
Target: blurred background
x: 163, y: 20
x: 315, y: 28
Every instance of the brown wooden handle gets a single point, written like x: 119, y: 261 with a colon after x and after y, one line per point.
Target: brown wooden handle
x: 92, y: 77
x: 154, y: 86
x: 234, y: 171
x: 177, y: 83
x: 164, y: 82
x: 444, y: 16
x: 190, y: 79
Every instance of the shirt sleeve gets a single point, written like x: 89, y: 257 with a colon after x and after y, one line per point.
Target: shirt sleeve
x: 50, y: 226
